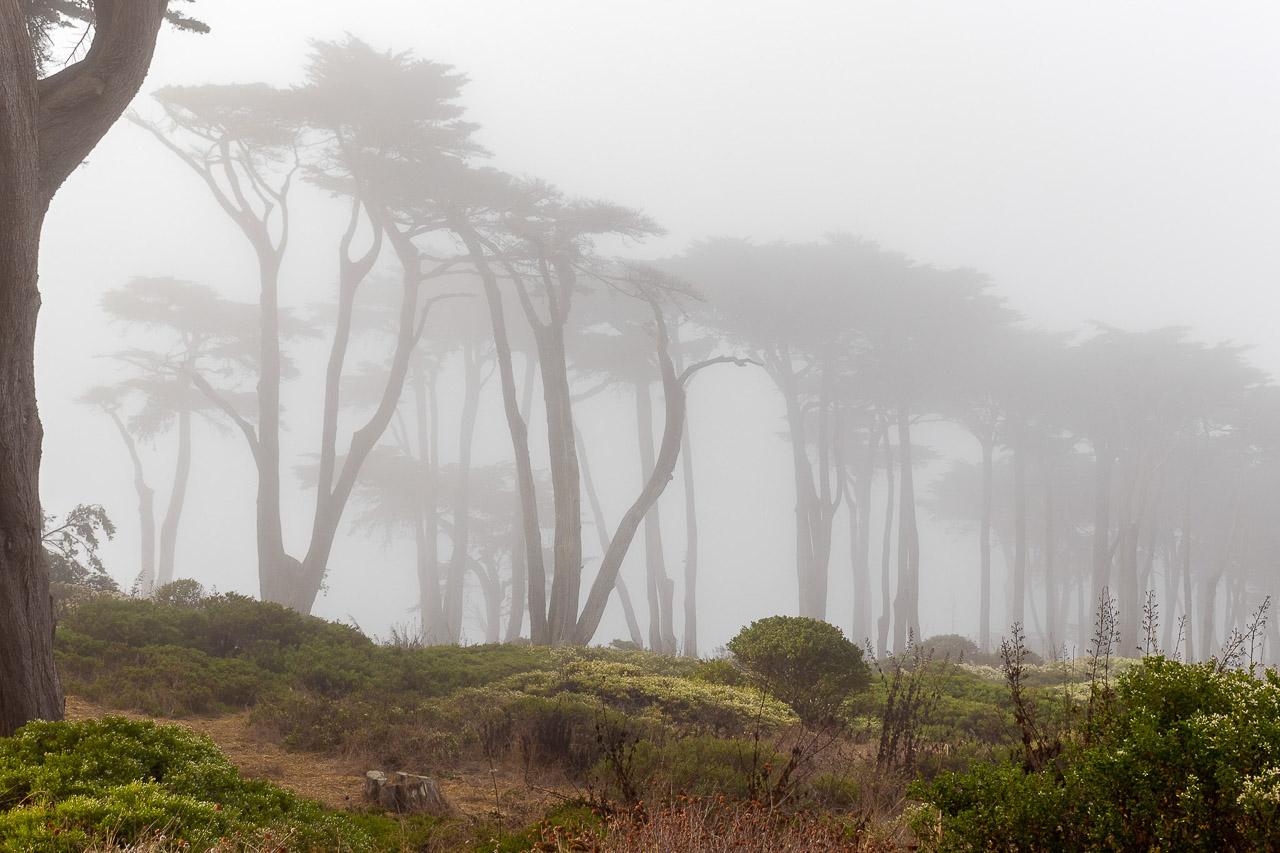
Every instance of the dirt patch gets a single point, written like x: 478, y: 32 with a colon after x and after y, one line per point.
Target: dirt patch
x: 476, y: 792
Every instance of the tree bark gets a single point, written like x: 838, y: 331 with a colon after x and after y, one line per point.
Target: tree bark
x: 146, y: 580
x: 455, y: 579
x: 519, y: 559
x: 47, y: 128
x: 602, y: 531
x: 661, y: 628
x: 984, y: 544
x: 906, y: 604
x: 886, y: 549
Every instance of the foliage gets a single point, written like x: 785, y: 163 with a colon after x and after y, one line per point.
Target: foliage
x: 804, y: 662
x: 71, y: 547
x: 1180, y: 757
x: 67, y: 785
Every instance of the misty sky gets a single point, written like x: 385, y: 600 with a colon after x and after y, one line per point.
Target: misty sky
x: 1109, y: 161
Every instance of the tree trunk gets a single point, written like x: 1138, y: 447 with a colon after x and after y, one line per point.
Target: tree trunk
x: 984, y: 544
x: 886, y: 544
x: 602, y: 531
x: 691, y: 550
x: 177, y: 497
x: 146, y: 579
x: 566, y: 486
x: 1185, y: 555
x: 519, y: 558
x: 1103, y: 466
x: 1018, y: 598
x: 807, y: 569
x: 1052, y: 636
x: 906, y: 604
x: 47, y: 128
x: 426, y: 526
x: 661, y: 629
x: 455, y: 582
x: 860, y: 545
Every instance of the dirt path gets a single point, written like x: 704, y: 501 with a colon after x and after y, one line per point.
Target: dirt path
x: 471, y: 791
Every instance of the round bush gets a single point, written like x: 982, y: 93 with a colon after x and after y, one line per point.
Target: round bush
x: 804, y: 662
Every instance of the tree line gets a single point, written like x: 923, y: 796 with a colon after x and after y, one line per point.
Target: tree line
x: 1109, y: 464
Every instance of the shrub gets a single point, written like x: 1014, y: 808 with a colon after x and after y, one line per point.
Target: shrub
x: 1182, y: 757
x: 804, y: 662
x: 65, y: 786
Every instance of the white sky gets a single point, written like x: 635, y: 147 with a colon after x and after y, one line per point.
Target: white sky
x: 1113, y: 161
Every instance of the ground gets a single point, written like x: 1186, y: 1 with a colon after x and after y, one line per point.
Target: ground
x: 338, y: 783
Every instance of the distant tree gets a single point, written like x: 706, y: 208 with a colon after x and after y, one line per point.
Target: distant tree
x: 71, y: 547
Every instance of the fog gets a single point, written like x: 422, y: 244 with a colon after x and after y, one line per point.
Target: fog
x: 1056, y: 223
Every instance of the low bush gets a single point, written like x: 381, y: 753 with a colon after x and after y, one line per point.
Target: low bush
x: 1181, y: 757
x: 65, y: 786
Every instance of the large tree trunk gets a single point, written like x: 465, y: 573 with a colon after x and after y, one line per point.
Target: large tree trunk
x: 177, y: 498
x: 47, y: 128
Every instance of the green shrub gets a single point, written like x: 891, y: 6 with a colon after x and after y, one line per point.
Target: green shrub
x: 66, y: 785
x: 696, y: 766
x: 1182, y: 757
x: 804, y: 662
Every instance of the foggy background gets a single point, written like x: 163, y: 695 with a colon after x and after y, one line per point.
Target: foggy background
x: 1098, y: 162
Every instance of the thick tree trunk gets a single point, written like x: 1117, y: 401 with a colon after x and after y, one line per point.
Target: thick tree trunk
x: 47, y: 128
x: 177, y: 498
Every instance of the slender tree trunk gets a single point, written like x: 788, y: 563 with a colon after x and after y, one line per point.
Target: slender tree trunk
x: 516, y: 425
x: 807, y: 569
x: 177, y: 498
x: 1018, y: 598
x: 906, y: 604
x: 426, y: 527
x: 1052, y: 635
x: 1103, y: 467
x: 519, y: 558
x: 146, y: 581
x: 455, y: 583
x: 860, y: 545
x: 886, y: 612
x: 661, y: 622
x: 984, y: 544
x: 602, y: 530
x: 1208, y: 600
x: 1185, y: 555
x: 690, y: 525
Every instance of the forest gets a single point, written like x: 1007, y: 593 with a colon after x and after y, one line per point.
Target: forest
x: 1085, y: 465
x: 405, y: 357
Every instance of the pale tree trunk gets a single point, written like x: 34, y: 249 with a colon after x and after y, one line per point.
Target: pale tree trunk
x: 519, y: 559
x: 984, y: 543
x: 1184, y: 555
x: 455, y: 582
x: 886, y: 549
x: 426, y: 527
x: 860, y: 546
x: 674, y: 397
x: 146, y: 581
x: 1208, y: 600
x: 1052, y: 634
x: 906, y: 604
x: 1018, y: 599
x: 691, y: 549
x: 177, y: 497
x: 602, y: 531
x: 806, y: 494
x: 660, y: 588
x: 517, y: 427
x: 1103, y: 468
x: 47, y: 128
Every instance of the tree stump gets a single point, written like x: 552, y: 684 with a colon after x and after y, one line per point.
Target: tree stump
x: 405, y: 793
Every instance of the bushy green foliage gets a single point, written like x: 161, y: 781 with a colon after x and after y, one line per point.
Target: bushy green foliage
x: 1182, y: 757
x: 699, y: 765
x: 65, y: 785
x: 804, y: 662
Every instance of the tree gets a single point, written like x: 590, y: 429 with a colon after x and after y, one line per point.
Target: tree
x: 48, y: 125
x: 71, y: 547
